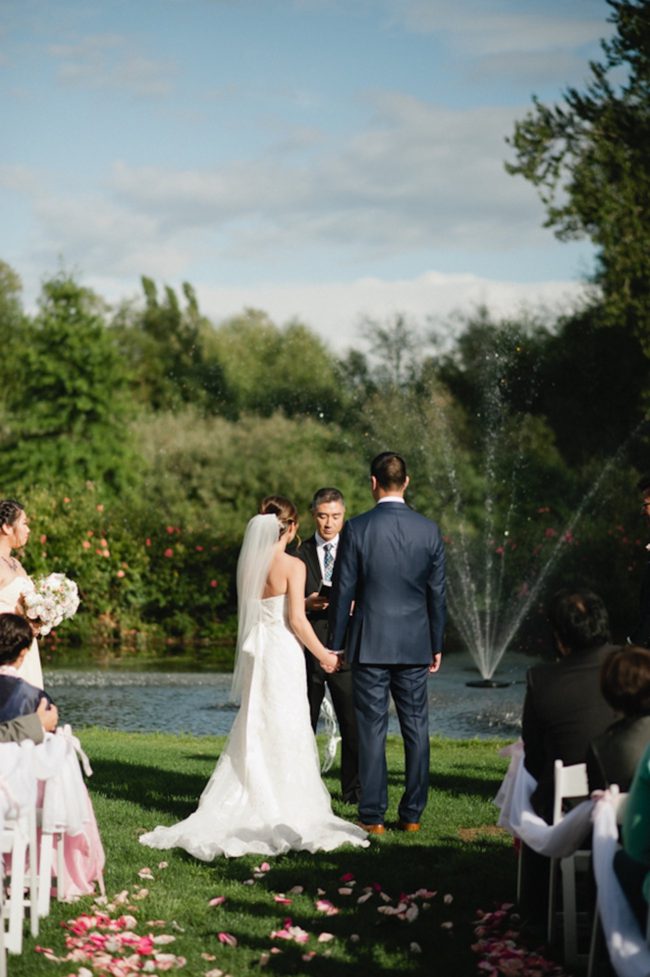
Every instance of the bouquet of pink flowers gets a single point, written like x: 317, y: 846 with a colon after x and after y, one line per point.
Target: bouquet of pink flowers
x: 52, y: 599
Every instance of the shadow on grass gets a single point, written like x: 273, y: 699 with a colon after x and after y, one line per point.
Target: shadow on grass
x: 481, y: 879
x: 149, y: 787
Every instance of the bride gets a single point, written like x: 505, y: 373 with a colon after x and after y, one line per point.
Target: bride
x: 14, y: 533
x: 266, y: 795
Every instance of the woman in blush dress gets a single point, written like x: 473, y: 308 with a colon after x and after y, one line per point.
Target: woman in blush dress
x: 14, y: 581
x: 266, y: 795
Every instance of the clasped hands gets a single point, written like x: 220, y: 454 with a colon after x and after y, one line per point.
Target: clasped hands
x: 332, y: 663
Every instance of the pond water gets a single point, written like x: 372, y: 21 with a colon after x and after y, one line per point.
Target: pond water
x: 197, y: 702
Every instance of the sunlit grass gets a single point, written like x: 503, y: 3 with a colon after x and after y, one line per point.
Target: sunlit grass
x: 141, y: 780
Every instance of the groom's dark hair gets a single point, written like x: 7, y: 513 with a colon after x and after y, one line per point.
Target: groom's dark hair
x: 389, y: 469
x: 15, y: 634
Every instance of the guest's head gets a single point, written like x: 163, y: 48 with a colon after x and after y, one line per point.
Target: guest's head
x: 579, y: 620
x: 13, y: 523
x: 284, y: 510
x: 328, y: 512
x: 15, y: 638
x: 625, y: 680
x: 388, y: 474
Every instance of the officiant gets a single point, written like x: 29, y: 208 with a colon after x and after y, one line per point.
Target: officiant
x: 318, y: 553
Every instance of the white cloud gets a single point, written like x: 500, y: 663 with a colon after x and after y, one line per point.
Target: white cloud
x: 111, y: 61
x: 336, y: 309
x: 419, y: 176
x: 503, y: 26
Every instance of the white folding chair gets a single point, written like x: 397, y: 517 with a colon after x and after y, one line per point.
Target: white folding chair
x: 570, y: 783
x: 20, y: 884
x: 51, y: 845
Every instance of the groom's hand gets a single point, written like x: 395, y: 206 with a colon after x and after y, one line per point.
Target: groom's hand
x: 332, y: 663
x: 435, y: 662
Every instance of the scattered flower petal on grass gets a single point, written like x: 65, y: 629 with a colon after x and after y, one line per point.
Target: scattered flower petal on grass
x: 345, y: 890
x: 264, y: 959
x: 448, y: 899
x: 227, y: 938
x: 296, y: 890
x: 208, y: 956
x: 309, y: 955
x: 217, y: 901
x: 163, y: 864
x: 365, y: 897
x: 325, y: 937
x: 347, y: 877
x: 213, y: 973
x: 354, y: 937
x: 282, y: 899
x: 415, y: 948
x: 327, y: 907
x: 145, y: 873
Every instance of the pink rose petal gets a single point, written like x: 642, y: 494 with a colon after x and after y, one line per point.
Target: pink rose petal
x: 217, y: 901
x: 227, y: 938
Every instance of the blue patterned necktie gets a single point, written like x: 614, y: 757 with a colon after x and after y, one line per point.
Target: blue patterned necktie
x: 328, y: 562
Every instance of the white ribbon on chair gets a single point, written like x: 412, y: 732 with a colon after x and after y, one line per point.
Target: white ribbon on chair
x: 518, y: 817
x: 628, y: 950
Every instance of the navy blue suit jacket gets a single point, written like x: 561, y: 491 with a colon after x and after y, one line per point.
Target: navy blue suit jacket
x: 391, y: 563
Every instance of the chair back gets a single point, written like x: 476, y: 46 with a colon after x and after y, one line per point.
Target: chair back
x: 569, y: 782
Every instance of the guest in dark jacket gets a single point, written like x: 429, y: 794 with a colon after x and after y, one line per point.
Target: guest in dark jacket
x: 564, y: 708
x: 17, y: 697
x: 614, y: 756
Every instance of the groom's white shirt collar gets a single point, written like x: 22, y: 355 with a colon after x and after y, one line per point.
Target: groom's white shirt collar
x: 391, y: 498
x: 320, y: 542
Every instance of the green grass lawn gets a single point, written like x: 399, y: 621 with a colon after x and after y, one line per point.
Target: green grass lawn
x: 141, y: 780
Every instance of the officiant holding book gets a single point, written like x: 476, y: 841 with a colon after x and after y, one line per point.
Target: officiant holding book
x: 318, y: 553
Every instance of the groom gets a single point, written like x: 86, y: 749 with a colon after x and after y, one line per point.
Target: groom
x: 390, y: 575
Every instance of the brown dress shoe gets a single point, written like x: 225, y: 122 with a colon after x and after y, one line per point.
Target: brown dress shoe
x: 409, y: 826
x: 372, y: 829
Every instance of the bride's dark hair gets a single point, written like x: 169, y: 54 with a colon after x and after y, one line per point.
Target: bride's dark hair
x: 281, y: 507
x: 9, y: 511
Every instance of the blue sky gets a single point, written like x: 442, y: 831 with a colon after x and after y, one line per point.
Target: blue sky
x: 325, y: 159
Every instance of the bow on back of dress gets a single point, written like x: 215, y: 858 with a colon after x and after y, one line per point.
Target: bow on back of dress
x: 262, y: 533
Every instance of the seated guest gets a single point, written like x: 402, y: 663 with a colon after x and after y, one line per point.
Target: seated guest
x: 632, y: 861
x: 564, y: 708
x: 614, y: 756
x: 31, y: 727
x: 17, y: 697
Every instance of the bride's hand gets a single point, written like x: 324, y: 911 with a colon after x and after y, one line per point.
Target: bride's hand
x: 330, y: 663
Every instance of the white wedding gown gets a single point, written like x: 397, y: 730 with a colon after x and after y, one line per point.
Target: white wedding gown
x: 30, y: 670
x: 266, y: 795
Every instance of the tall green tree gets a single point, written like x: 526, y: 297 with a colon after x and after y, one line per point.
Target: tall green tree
x: 589, y: 158
x: 66, y: 405
x: 167, y: 343
x: 269, y: 368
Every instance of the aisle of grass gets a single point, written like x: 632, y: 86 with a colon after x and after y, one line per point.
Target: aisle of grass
x: 141, y: 780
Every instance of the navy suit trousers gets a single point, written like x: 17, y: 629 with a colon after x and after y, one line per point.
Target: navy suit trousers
x: 408, y: 686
